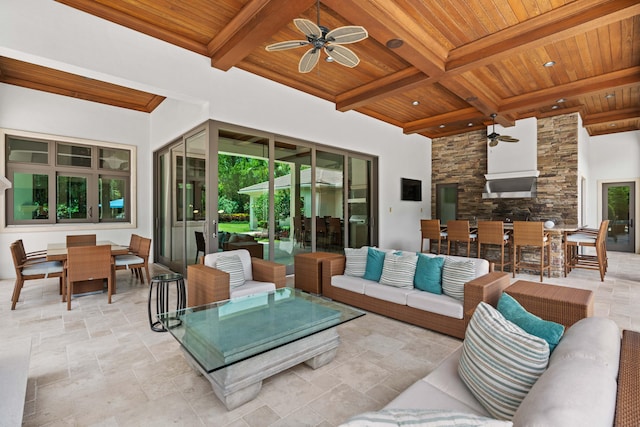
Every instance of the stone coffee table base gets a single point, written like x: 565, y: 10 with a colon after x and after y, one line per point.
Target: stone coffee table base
x: 241, y: 382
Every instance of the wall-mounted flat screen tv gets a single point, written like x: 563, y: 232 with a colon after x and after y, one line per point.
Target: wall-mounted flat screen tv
x: 411, y: 189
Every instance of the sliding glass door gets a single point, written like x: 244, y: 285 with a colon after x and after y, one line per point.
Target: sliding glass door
x: 273, y: 196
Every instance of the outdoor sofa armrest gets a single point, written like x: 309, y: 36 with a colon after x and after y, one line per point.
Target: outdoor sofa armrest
x: 206, y: 285
x: 487, y: 288
x: 331, y: 267
x: 267, y: 271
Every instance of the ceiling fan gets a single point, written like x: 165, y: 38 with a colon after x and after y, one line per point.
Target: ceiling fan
x: 494, y: 137
x: 319, y: 37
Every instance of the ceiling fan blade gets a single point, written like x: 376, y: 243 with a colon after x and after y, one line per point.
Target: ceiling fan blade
x: 291, y: 44
x: 347, y: 34
x: 342, y: 55
x: 309, y: 60
x: 307, y: 27
x: 507, y: 138
x: 493, y: 143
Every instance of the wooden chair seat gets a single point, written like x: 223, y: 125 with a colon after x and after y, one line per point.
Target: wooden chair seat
x: 135, y: 262
x: 31, y: 269
x: 492, y: 233
x: 582, y: 238
x: 458, y: 231
x: 430, y: 229
x: 531, y: 234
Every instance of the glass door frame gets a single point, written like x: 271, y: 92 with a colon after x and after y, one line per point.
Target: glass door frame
x: 634, y: 208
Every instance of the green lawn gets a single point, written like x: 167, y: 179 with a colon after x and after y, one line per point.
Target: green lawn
x: 234, y: 227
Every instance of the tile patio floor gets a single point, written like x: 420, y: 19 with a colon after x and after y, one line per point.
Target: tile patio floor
x: 101, y: 365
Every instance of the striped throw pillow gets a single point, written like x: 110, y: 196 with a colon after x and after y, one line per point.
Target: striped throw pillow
x: 500, y: 362
x: 422, y: 418
x: 356, y: 261
x: 398, y: 269
x: 233, y: 265
x: 454, y: 275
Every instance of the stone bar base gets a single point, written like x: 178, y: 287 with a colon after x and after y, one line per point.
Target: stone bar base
x: 241, y: 382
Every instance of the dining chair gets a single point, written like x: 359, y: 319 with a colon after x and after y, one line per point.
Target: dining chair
x: 493, y: 233
x: 581, y: 238
x: 334, y: 231
x: 85, y: 263
x: 30, y: 269
x: 136, y: 262
x: 200, y: 245
x: 81, y: 240
x: 321, y: 231
x: 531, y: 234
x: 458, y: 231
x: 431, y: 230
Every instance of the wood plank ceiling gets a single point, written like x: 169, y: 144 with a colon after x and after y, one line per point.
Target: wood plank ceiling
x: 457, y: 61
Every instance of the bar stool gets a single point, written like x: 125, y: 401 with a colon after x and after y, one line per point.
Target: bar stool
x: 586, y: 238
x: 430, y: 229
x: 459, y: 231
x: 531, y: 233
x: 492, y: 233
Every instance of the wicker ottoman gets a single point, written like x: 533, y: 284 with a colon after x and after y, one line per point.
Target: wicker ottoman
x: 559, y: 304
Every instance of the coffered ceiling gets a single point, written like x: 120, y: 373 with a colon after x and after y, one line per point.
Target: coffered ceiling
x: 435, y: 68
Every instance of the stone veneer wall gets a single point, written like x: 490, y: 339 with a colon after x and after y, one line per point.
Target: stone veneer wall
x: 462, y: 159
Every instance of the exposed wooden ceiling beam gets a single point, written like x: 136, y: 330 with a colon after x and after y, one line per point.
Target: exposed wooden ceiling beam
x: 423, y: 125
x: 567, y: 21
x: 612, y: 116
x: 257, y: 21
x: 616, y: 79
x: 396, y: 83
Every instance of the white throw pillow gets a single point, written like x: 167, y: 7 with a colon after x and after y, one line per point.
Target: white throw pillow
x: 500, y: 362
x: 231, y: 264
x: 398, y: 269
x: 356, y: 261
x: 421, y: 418
x: 454, y: 275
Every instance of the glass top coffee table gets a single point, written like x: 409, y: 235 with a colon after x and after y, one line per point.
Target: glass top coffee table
x: 238, y: 343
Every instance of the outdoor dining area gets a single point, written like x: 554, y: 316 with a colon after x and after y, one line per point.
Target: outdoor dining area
x: 82, y: 265
x: 521, y: 245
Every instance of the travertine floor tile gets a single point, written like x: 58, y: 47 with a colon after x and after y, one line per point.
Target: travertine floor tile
x: 100, y: 365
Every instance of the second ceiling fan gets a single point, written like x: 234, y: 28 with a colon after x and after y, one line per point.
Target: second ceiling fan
x: 494, y: 137
x: 319, y: 37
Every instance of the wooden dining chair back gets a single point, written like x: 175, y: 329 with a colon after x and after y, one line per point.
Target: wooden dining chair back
x: 585, y: 238
x: 134, y: 243
x: 81, y: 240
x: 136, y: 262
x: 430, y: 230
x: 334, y: 231
x: 201, y: 245
x: 458, y: 231
x: 85, y: 263
x: 493, y: 233
x: 321, y: 231
x: 31, y: 269
x: 531, y: 234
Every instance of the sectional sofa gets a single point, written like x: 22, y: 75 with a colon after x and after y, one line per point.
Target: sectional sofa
x: 438, y: 312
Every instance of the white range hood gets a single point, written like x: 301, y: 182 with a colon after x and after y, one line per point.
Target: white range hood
x: 512, y: 167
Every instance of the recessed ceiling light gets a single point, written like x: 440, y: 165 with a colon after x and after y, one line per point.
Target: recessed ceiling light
x: 612, y: 125
x: 610, y: 95
x: 414, y: 103
x: 469, y: 124
x: 561, y: 100
x: 554, y: 107
x: 441, y: 126
x: 394, y: 43
x: 549, y: 64
x: 329, y: 59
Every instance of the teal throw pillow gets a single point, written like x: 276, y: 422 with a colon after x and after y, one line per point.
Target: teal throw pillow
x: 549, y: 331
x: 375, y: 261
x: 429, y: 274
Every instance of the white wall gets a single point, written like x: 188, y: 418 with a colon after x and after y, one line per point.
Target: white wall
x: 51, y: 34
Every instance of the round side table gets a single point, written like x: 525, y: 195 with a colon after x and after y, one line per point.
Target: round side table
x: 163, y: 284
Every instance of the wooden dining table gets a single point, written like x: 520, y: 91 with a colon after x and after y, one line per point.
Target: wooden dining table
x: 58, y: 252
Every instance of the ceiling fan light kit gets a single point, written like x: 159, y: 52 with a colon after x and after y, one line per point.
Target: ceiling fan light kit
x: 319, y: 37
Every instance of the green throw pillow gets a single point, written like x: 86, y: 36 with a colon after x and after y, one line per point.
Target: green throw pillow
x: 549, y: 331
x: 429, y: 274
x: 375, y: 261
